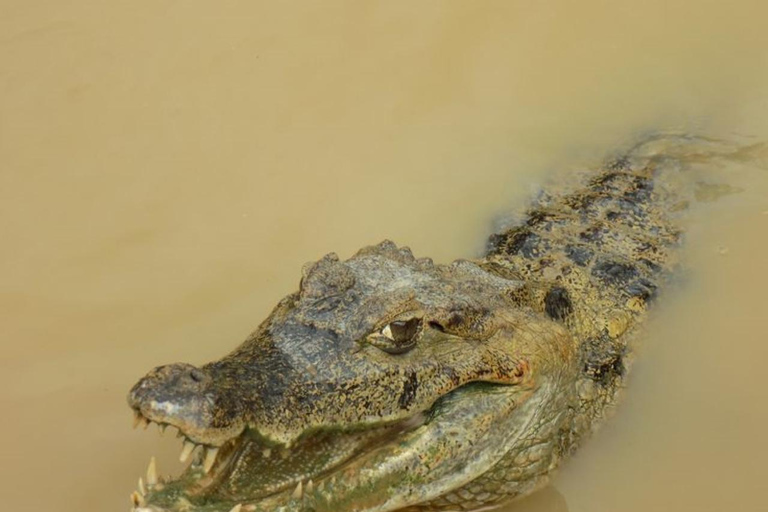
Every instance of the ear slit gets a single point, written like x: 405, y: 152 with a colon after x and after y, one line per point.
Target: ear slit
x: 436, y: 326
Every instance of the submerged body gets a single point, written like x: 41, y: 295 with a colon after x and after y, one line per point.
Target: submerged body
x: 390, y: 382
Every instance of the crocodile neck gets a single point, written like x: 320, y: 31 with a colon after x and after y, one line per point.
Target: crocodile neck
x: 594, y: 259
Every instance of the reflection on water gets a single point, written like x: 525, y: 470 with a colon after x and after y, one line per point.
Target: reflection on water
x: 167, y: 167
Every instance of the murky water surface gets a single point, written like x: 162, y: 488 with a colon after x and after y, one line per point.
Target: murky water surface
x: 167, y: 167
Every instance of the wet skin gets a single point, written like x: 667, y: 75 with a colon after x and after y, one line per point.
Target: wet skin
x: 388, y: 381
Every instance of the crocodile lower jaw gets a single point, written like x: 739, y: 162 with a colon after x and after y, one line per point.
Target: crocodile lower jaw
x: 248, y: 457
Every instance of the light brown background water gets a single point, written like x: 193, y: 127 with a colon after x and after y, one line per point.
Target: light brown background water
x: 166, y: 167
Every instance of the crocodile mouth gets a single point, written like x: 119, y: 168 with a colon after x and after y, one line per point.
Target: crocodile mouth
x: 249, y: 468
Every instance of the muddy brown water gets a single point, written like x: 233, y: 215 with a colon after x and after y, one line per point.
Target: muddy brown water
x: 167, y: 167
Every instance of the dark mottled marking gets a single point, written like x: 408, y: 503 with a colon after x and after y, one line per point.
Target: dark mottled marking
x: 619, y: 164
x: 592, y: 234
x: 524, y: 243
x: 632, y: 207
x: 518, y: 241
x: 466, y: 321
x: 627, y: 191
x: 580, y: 255
x: 581, y: 200
x: 653, y: 267
x: 536, y: 217
x: 455, y: 320
x: 543, y: 220
x: 639, y: 196
x: 409, y: 390
x: 451, y: 374
x: 521, y: 369
x: 558, y: 304
x: 626, y: 213
x: 495, y: 244
x: 614, y: 272
x: 604, y: 362
x: 607, y: 179
x: 627, y: 179
x: 606, y: 372
x: 642, y: 288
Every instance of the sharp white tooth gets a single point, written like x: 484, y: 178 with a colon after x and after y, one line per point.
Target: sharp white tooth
x: 267, y: 453
x: 187, y: 450
x: 162, y: 428
x: 210, y: 458
x: 236, y: 508
x: 152, y: 472
x: 298, y: 492
x: 136, y: 419
x: 137, y: 499
x: 310, y: 487
x: 321, y: 486
x: 142, y: 489
x: 144, y: 422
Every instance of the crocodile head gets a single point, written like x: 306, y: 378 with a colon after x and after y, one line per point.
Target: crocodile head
x: 361, y: 357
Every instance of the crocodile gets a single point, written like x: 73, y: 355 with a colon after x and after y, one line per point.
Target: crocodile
x: 391, y: 382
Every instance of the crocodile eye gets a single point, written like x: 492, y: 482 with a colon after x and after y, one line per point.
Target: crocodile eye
x: 397, y: 337
x: 400, y: 331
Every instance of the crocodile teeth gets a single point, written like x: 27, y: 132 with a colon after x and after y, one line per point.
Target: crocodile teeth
x: 142, y: 489
x: 267, y: 453
x: 298, y: 492
x: 310, y: 487
x: 162, y: 428
x: 236, y: 508
x: 152, y: 472
x: 136, y: 419
x: 210, y: 458
x: 137, y: 499
x: 187, y: 450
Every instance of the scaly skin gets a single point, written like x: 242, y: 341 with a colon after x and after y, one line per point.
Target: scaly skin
x: 390, y: 382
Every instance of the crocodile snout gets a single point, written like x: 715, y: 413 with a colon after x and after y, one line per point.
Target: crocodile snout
x: 186, y: 397
x: 155, y: 392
